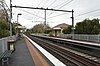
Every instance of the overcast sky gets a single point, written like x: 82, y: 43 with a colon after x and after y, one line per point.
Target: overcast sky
x: 30, y: 17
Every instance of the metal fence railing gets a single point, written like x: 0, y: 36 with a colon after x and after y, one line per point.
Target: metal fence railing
x: 0, y: 45
x: 93, y: 38
x: 3, y: 43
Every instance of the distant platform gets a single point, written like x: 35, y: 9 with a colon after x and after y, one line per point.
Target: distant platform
x: 76, y: 41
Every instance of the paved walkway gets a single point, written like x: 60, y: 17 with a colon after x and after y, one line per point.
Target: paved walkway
x: 21, y: 56
x: 38, y: 58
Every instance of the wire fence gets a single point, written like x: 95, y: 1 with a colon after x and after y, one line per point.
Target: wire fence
x: 92, y: 38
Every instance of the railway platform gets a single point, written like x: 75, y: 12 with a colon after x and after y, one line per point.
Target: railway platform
x: 26, y: 55
x: 29, y: 53
x: 21, y: 56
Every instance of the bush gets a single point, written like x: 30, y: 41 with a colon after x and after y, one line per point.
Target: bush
x: 51, y: 34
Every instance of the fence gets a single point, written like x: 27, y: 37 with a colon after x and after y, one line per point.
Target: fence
x: 93, y: 38
x: 0, y: 45
x: 3, y: 43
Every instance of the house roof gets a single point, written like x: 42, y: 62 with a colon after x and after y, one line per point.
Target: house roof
x: 63, y: 25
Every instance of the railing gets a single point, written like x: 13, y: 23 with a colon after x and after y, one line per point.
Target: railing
x: 93, y: 38
x: 0, y: 45
x: 3, y: 43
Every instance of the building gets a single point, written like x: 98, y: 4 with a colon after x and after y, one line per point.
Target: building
x: 59, y: 28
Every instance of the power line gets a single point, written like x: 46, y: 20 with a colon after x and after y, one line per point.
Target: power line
x: 39, y: 5
x: 40, y: 2
x: 66, y: 3
x: 57, y: 6
x: 44, y: 9
x: 61, y: 4
x: 45, y: 3
x: 50, y: 10
x: 31, y: 13
x: 56, y: 15
x: 42, y: 6
x: 52, y: 3
x: 87, y: 12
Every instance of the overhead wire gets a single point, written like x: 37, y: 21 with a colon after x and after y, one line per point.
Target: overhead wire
x: 38, y: 6
x: 31, y: 13
x: 60, y: 4
x: 51, y: 3
x: 40, y: 3
x: 47, y: 6
x: 64, y: 20
x: 87, y: 12
x: 56, y: 15
x: 66, y: 3
x: 76, y: 17
x: 63, y: 4
x: 45, y: 3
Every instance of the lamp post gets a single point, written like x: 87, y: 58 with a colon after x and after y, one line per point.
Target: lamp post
x: 17, y: 20
x: 18, y: 16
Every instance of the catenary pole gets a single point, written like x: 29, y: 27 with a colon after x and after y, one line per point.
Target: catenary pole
x: 51, y: 10
x: 10, y: 17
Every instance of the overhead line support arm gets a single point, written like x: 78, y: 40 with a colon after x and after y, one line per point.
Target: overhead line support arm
x: 51, y: 10
x: 41, y: 8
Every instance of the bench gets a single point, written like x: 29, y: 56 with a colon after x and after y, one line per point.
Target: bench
x: 4, y: 57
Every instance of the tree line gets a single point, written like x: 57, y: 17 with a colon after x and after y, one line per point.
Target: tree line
x: 5, y: 28
x: 86, y: 26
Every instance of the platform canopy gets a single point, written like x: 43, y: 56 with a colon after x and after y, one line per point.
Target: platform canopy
x: 20, y: 27
x: 57, y: 28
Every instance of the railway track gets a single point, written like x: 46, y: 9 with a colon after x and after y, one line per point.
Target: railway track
x: 67, y: 57
x: 91, y: 50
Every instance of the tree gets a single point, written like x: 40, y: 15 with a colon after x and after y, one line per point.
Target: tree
x: 13, y: 28
x: 40, y: 28
x: 28, y: 32
x: 4, y: 28
x: 14, y: 25
x: 67, y: 30
x: 4, y: 25
x: 88, y: 27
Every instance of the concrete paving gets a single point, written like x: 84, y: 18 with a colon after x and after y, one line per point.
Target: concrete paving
x: 21, y: 56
